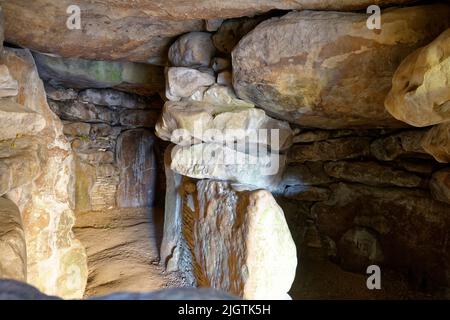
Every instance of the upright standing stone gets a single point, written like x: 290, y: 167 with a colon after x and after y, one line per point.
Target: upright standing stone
x: 137, y: 164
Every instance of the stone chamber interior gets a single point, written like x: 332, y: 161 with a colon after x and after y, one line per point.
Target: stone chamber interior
x: 116, y: 139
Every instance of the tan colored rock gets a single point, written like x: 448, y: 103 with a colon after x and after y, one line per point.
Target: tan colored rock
x: 333, y: 149
x: 56, y: 261
x: 420, y: 94
x: 327, y: 69
x: 141, y: 30
x: 372, y: 173
x: 19, y: 170
x: 13, y: 251
x: 79, y: 129
x: 216, y: 161
x: 440, y: 185
x: 183, y: 82
x: 247, y: 229
x: 193, y: 50
x: 8, y: 86
x: 17, y: 120
x: 437, y: 142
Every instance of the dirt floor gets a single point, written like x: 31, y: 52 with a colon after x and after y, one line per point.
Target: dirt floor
x: 123, y: 251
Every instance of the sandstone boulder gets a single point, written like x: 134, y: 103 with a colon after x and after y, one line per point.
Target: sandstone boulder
x: 193, y: 50
x: 216, y: 161
x: 17, y: 120
x: 8, y: 86
x: 137, y: 164
x: 13, y: 252
x: 139, y: 31
x: 186, y: 122
x: 56, y: 261
x: 420, y: 94
x: 75, y: 73
x: 440, y: 185
x: 183, y: 82
x: 437, y: 142
x: 216, y: 226
x: 327, y: 69
x: 20, y: 169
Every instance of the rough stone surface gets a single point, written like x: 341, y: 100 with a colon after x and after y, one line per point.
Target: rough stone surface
x: 232, y: 30
x: 440, y: 185
x: 113, y: 98
x: 436, y: 142
x: 216, y: 226
x: 183, y: 122
x: 19, y: 169
x: 216, y: 161
x: 409, y: 225
x: 17, y: 120
x: 138, y: 31
x: 403, y: 144
x: 333, y: 149
x: 122, y: 249
x: 183, y: 82
x: 372, y: 173
x: 137, y: 78
x: 327, y: 69
x: 193, y: 49
x: 139, y: 118
x: 420, y: 94
x: 8, y: 86
x: 56, y: 261
x: 15, y: 290
x: 136, y: 160
x: 13, y: 251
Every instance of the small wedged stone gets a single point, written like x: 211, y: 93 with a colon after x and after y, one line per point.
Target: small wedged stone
x: 194, y: 49
x: 182, y: 82
x: 440, y: 185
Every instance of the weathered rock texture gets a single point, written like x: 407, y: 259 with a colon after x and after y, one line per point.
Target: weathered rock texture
x: 237, y: 242
x: 327, y: 69
x: 364, y: 198
x: 78, y: 73
x: 122, y: 249
x: 138, y: 31
x: 110, y: 133
x: 420, y: 93
x: 13, y: 251
x: 56, y: 261
x: 437, y: 142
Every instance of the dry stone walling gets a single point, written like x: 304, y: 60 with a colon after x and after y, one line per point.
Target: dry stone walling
x: 221, y: 227
x: 354, y: 179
